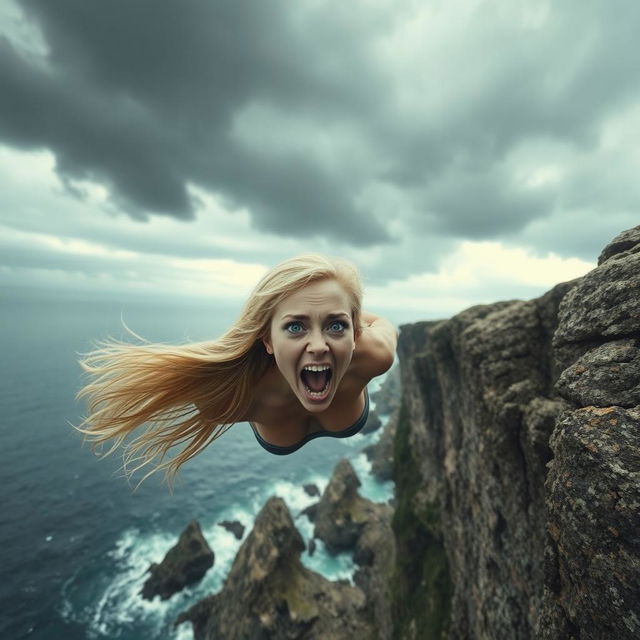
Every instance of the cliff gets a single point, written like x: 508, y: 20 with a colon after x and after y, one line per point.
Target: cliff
x: 517, y: 464
x: 516, y: 460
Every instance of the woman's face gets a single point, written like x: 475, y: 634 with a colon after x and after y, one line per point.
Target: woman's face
x: 313, y: 327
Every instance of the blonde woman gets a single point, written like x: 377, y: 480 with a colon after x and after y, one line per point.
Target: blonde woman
x: 295, y: 365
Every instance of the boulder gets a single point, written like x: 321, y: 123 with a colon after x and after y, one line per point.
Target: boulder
x: 342, y: 512
x: 184, y: 564
x: 311, y: 490
x: 233, y: 526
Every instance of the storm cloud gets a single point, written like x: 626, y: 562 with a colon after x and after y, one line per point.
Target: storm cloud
x: 387, y: 132
x: 148, y: 97
x: 142, y: 97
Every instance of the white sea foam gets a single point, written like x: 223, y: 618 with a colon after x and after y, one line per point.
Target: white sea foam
x: 332, y: 567
x: 119, y: 603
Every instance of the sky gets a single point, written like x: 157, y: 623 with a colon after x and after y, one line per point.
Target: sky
x: 458, y: 152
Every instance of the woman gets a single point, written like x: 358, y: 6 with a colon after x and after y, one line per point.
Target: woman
x: 295, y: 366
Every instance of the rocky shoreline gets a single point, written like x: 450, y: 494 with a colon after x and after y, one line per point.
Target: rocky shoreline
x: 269, y: 592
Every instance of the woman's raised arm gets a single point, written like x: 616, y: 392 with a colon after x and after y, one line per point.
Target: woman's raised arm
x: 382, y: 329
x: 375, y: 346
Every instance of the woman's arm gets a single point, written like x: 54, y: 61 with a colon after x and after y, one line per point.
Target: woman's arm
x: 375, y: 346
x: 382, y: 328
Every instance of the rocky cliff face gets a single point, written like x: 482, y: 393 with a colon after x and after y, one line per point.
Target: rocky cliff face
x: 517, y: 464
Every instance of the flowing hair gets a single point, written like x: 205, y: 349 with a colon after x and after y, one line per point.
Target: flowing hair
x: 191, y: 394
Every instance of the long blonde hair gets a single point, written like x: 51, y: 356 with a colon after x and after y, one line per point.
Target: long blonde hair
x: 194, y: 392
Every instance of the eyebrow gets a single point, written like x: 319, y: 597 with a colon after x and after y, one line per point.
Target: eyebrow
x: 301, y: 316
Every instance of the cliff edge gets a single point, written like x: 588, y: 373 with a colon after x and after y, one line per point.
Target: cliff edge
x: 517, y: 464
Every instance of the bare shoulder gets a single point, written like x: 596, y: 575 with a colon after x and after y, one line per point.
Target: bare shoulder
x: 375, y: 350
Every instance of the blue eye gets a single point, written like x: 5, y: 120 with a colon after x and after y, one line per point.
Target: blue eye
x: 293, y: 324
x: 341, y: 325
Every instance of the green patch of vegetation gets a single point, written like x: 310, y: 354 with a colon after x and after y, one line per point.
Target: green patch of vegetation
x: 420, y: 586
x: 301, y: 607
x: 358, y: 510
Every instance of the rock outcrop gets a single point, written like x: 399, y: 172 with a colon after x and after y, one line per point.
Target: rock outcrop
x: 311, y: 490
x: 517, y: 464
x: 233, y: 526
x: 344, y: 520
x: 592, y: 568
x: 341, y: 513
x: 269, y: 593
x: 184, y: 564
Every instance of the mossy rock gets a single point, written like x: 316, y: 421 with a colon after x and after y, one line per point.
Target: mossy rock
x: 421, y: 588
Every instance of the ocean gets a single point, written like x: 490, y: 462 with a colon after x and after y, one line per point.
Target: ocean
x: 75, y: 539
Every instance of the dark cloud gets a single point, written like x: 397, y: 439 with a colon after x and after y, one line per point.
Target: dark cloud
x: 145, y: 97
x: 140, y: 96
x: 559, y: 83
x: 480, y: 205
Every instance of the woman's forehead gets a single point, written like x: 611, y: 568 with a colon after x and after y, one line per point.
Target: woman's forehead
x: 319, y: 297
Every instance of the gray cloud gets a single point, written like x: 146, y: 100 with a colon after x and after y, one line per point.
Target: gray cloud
x: 139, y: 96
x: 146, y: 98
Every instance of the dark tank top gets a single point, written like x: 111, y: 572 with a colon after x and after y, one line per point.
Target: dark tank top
x: 345, y: 433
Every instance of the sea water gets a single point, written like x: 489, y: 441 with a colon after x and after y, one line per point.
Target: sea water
x: 75, y: 539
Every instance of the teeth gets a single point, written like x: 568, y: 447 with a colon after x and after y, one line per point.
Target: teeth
x: 314, y: 367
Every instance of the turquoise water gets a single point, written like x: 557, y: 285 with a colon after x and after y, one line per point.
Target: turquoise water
x: 75, y: 540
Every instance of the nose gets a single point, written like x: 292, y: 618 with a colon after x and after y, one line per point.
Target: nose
x: 317, y: 343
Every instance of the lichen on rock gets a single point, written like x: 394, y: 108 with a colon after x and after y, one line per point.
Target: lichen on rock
x: 270, y: 593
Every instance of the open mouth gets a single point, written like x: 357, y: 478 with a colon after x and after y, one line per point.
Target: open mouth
x: 316, y: 381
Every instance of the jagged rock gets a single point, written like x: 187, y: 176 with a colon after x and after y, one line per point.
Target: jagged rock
x: 375, y: 552
x: 372, y: 424
x: 310, y: 511
x: 342, y: 512
x: 592, y: 582
x: 497, y: 400
x: 346, y: 520
x: 387, y: 398
x: 311, y: 490
x: 233, y: 526
x: 270, y: 594
x: 606, y: 375
x: 184, y: 564
x: 593, y: 484
x: 628, y: 240
x: 605, y: 304
x: 380, y: 454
